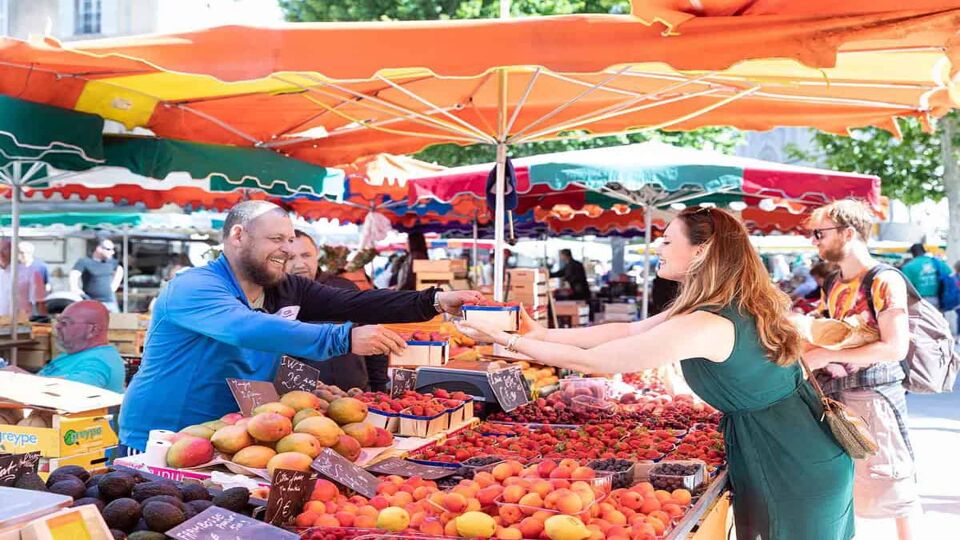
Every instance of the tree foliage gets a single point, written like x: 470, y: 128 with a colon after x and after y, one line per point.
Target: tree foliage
x: 721, y: 139
x: 911, y: 168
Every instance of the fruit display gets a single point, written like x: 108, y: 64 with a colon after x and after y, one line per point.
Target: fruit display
x: 419, y: 404
x: 552, y: 500
x: 676, y: 475
x: 423, y: 335
x: 596, y: 441
x: 133, y: 505
x: 286, y: 434
x: 538, y: 376
x: 705, y: 444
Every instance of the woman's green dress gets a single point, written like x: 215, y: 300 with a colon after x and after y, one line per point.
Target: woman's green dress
x: 790, y: 478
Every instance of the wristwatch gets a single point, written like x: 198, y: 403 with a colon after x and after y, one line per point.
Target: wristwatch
x: 436, y: 301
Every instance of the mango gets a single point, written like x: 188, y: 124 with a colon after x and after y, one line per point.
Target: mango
x: 275, y: 407
x: 189, y: 452
x: 294, y: 461
x: 255, y: 457
x: 300, y: 442
x: 364, y: 433
x: 347, y: 410
x: 324, y: 429
x: 231, y: 439
x: 347, y: 447
x: 204, y: 432
x: 299, y: 400
x: 303, y: 414
x: 269, y: 426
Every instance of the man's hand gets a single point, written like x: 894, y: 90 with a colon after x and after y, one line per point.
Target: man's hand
x: 818, y: 357
x: 375, y: 339
x: 452, y: 301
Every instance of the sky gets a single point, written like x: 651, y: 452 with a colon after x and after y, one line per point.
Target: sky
x: 207, y: 13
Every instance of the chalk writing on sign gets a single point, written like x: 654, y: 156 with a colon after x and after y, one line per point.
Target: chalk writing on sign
x: 252, y: 394
x: 509, y: 387
x: 408, y: 469
x: 216, y: 523
x: 402, y: 380
x: 295, y: 375
x: 340, y: 470
x: 288, y: 493
x: 13, y: 466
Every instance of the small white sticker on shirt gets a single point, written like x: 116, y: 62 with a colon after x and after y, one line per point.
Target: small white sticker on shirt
x: 289, y: 313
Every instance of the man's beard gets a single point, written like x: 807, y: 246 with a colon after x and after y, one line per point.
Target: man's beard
x: 833, y: 255
x: 257, y: 271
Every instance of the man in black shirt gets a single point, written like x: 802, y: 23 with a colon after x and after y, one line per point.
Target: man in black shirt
x: 98, y: 276
x: 573, y: 273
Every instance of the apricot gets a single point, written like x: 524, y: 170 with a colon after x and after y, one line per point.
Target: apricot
x: 662, y: 496
x: 646, y: 488
x: 662, y: 516
x: 454, y: 502
x: 531, y: 527
x: 541, y: 487
x: 681, y: 497
x: 379, y: 502
x: 545, y: 467
x: 658, y: 526
x: 513, y: 494
x: 367, y: 510
x: 473, y: 505
x: 509, y: 533
x: 615, y: 517
x: 569, y: 503
x: 317, y: 507
x: 510, y: 514
x: 345, y: 518
x: 673, y: 510
x: 365, y: 522
x: 531, y: 502
x: 324, y: 490
x: 326, y: 520
x: 583, y: 473
x: 401, y: 498
x: 450, y: 528
x: 489, y: 494
x: 431, y: 527
x: 502, y: 471
x: 306, y: 519
x: 650, y: 504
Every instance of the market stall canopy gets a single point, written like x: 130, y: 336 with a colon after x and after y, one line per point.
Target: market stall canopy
x: 647, y: 174
x: 498, y: 81
x: 138, y: 221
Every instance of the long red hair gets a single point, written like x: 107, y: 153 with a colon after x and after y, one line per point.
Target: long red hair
x: 729, y: 270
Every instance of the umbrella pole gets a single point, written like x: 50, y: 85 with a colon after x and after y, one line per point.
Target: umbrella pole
x: 126, y: 268
x: 498, y: 265
x: 14, y: 263
x: 647, y: 234
x: 477, y: 271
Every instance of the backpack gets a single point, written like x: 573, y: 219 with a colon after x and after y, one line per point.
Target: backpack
x: 949, y: 292
x: 932, y: 362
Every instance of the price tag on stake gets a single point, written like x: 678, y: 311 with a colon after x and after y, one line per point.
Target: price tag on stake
x: 252, y: 394
x: 295, y: 375
x: 340, y: 470
x: 289, y: 491
x: 509, y: 387
x: 402, y: 380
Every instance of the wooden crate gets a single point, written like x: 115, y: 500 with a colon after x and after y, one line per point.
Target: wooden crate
x: 127, y: 342
x: 527, y: 275
x: 455, y: 284
x: 457, y: 267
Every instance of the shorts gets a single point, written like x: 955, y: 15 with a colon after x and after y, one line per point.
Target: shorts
x: 885, y: 484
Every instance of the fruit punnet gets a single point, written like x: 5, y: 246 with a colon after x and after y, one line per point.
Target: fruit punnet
x: 424, y: 403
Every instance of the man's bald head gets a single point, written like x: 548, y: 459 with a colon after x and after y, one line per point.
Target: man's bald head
x: 82, y: 325
x: 257, y: 241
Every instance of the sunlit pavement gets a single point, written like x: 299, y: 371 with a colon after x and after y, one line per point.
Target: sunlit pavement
x: 935, y: 431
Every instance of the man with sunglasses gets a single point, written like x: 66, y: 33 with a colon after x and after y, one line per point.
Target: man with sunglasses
x: 81, y: 332
x: 868, y: 379
x: 98, y: 276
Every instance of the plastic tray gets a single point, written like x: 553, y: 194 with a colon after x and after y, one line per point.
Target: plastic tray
x: 671, y: 482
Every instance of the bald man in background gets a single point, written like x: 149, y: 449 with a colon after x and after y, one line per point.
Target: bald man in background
x: 81, y: 331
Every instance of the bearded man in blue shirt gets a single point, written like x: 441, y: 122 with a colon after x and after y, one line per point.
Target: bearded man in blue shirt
x: 236, y: 316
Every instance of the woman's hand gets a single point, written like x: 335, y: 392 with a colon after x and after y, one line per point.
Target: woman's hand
x: 529, y: 327
x: 482, y: 331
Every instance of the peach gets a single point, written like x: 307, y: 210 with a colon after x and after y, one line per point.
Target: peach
x: 531, y: 527
x: 568, y: 463
x: 489, y: 494
x: 646, y: 488
x: 658, y: 526
x: 650, y: 504
x: 324, y: 490
x: 583, y: 473
x: 673, y: 510
x: 345, y: 518
x: 379, y: 502
x: 484, y: 479
x: 454, y: 502
x: 510, y: 513
x: 541, y: 487
x: 530, y: 503
x: 450, y: 528
x: 317, y: 507
x: 421, y: 492
x: 569, y: 503
x: 595, y: 533
x: 545, y: 467
x: 431, y: 527
x: 473, y: 505
x: 509, y: 533
x: 662, y: 496
x: 662, y: 516
x: 367, y: 510
x: 502, y: 471
x: 401, y: 498
x: 631, y: 499
x: 615, y: 517
x: 365, y: 522
x: 681, y: 497
x: 560, y: 483
x: 513, y: 494
x: 326, y: 520
x: 306, y: 519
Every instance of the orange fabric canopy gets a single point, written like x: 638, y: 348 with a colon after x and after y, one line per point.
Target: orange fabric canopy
x: 334, y: 92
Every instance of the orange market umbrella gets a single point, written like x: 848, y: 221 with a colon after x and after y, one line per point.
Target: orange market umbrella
x: 501, y: 82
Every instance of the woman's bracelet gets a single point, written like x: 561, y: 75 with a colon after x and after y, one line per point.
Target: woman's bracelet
x: 512, y: 343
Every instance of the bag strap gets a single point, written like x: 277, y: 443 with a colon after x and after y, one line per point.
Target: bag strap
x: 867, y: 285
x: 813, y: 380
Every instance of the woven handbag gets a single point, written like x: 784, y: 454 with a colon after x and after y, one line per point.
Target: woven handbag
x: 850, y: 430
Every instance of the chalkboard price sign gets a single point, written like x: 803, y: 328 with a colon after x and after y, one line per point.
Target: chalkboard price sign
x: 295, y: 375
x: 215, y: 523
x: 252, y: 394
x: 402, y: 380
x: 13, y: 466
x: 289, y: 491
x: 408, y: 469
x: 340, y: 470
x: 509, y: 387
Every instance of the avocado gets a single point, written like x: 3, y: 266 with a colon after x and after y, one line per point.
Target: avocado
x: 87, y: 500
x: 92, y: 492
x: 118, y: 535
x: 233, y: 499
x: 161, y: 516
x: 192, y: 491
x: 69, y: 470
x: 94, y: 480
x: 121, y: 514
x: 199, y: 506
x: 31, y: 481
x: 165, y: 498
x: 146, y: 535
x: 70, y: 486
x: 115, y: 485
x: 140, y: 526
x: 146, y: 490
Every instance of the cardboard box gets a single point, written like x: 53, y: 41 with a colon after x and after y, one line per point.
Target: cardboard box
x: 520, y: 276
x: 124, y: 321
x: 457, y: 267
x: 91, y: 461
x: 422, y: 353
x: 504, y: 318
x: 572, y: 308
x: 80, y: 421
